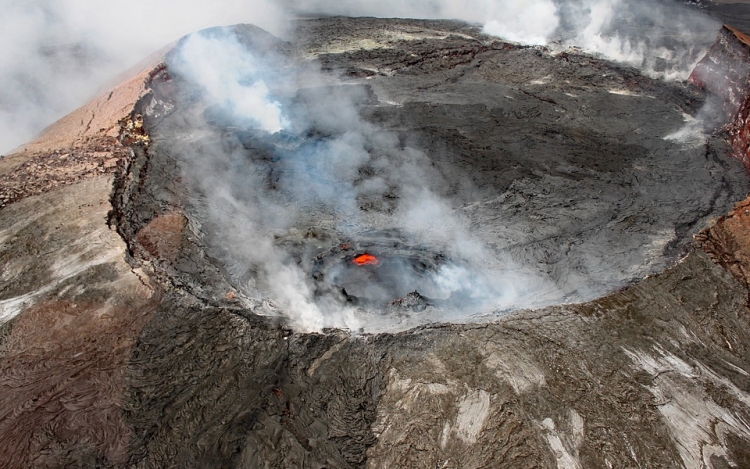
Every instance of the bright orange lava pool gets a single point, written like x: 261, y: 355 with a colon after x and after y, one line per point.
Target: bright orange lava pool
x: 366, y: 259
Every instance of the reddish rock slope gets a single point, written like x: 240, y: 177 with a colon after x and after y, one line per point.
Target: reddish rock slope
x: 725, y: 72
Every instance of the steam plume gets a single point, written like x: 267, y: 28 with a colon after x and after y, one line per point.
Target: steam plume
x: 314, y: 143
x: 57, y: 54
x: 665, y: 39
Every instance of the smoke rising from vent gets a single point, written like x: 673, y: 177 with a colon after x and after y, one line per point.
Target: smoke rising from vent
x: 663, y: 39
x: 524, y: 21
x: 292, y: 178
x: 58, y: 54
x: 227, y: 75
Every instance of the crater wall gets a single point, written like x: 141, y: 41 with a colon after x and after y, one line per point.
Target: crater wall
x: 725, y: 73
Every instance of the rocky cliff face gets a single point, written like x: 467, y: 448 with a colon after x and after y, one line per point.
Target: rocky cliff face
x: 137, y: 346
x: 725, y: 73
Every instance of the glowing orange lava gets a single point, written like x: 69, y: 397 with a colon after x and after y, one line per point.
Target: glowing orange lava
x: 366, y: 259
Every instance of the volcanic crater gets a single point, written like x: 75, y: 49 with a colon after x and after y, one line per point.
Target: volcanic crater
x: 538, y: 178
x: 536, y: 297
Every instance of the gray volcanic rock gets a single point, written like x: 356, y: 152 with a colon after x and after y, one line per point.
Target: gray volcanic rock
x: 554, y: 165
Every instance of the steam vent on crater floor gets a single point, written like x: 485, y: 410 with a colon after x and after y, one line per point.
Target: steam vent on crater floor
x: 385, y: 244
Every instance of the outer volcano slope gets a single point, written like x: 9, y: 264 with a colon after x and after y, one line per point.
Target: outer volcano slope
x: 100, y: 370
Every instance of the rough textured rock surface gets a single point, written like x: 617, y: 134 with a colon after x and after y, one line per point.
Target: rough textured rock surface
x: 733, y: 13
x: 725, y: 72
x: 130, y: 347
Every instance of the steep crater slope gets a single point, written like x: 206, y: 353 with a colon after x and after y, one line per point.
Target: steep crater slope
x: 725, y: 73
x: 483, y: 177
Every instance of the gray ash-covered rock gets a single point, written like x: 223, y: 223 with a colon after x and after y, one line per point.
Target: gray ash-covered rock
x: 413, y: 301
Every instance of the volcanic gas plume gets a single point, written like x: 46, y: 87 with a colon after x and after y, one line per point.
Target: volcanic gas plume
x: 60, y: 53
x: 309, y: 161
x: 179, y: 257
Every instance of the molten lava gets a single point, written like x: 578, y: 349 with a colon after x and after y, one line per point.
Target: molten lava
x: 366, y: 259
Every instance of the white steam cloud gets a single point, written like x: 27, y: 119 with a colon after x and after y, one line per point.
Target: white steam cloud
x: 664, y: 40
x: 524, y: 21
x: 227, y: 74
x: 264, y: 175
x: 58, y: 53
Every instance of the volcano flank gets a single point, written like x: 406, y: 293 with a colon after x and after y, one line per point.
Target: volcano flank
x: 381, y: 243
